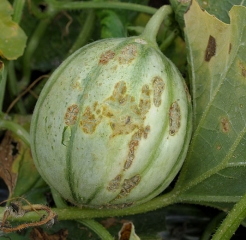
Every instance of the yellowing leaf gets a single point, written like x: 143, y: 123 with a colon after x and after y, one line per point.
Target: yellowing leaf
x: 214, y: 172
x: 12, y: 37
x: 127, y: 232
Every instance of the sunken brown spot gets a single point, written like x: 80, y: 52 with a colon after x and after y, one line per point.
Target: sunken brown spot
x: 106, y: 57
x: 174, y: 118
x: 71, y: 115
x: 211, y: 48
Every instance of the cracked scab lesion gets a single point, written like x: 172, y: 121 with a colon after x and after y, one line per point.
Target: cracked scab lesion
x: 106, y: 57
x: 120, y: 109
x: 127, y: 54
x: 89, y: 121
x: 158, y: 89
x: 174, y: 118
x: 133, y: 145
x: 128, y: 185
x: 124, y: 114
x: 114, y: 184
x: 71, y: 115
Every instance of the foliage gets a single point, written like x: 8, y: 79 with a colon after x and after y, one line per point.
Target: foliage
x: 209, y: 49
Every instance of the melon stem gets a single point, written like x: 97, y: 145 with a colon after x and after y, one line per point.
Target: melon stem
x: 152, y: 27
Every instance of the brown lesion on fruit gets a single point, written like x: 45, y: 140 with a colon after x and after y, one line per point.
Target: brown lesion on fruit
x: 89, y: 121
x: 128, y: 185
x: 124, y: 116
x: 71, y: 115
x: 127, y: 54
x: 158, y: 88
x: 115, y: 183
x: 174, y: 118
x: 225, y: 124
x: 133, y: 145
x: 211, y: 49
x: 115, y: 206
x: 106, y: 57
x: 122, y: 111
x: 77, y: 86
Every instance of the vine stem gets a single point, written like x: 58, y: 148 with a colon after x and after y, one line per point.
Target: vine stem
x: 232, y: 221
x: 18, y: 9
x: 31, y: 48
x: 106, y: 5
x: 152, y: 27
x: 74, y: 213
x: 3, y: 79
x: 84, y: 35
x: 90, y: 223
x: 16, y: 129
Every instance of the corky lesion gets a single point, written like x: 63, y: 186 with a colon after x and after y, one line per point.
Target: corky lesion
x: 71, y: 115
x: 128, y: 54
x: 114, y: 184
x: 133, y: 145
x: 128, y: 185
x: 89, y: 121
x: 158, y: 88
x: 174, y: 118
x: 105, y: 57
x: 122, y: 111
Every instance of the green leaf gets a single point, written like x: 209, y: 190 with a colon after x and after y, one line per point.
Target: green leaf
x: 214, y: 172
x: 111, y: 24
x: 218, y: 8
x: 12, y: 37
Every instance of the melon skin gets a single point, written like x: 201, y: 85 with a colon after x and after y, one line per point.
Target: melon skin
x: 112, y: 125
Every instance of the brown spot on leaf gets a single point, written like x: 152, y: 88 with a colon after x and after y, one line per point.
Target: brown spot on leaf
x: 211, y: 48
x: 158, y: 87
x: 225, y: 125
x: 71, y: 115
x: 230, y: 47
x: 127, y: 54
x: 174, y: 118
x: 243, y: 70
x: 218, y: 147
x: 106, y: 57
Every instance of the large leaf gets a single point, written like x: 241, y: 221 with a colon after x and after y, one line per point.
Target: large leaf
x: 215, y: 172
x: 12, y: 37
x: 218, y: 8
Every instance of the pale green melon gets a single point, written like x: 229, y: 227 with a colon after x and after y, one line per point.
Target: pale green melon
x: 112, y: 125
